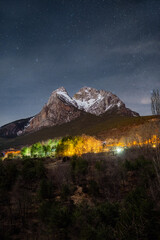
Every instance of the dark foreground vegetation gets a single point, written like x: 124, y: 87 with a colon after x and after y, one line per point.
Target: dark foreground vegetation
x: 93, y: 197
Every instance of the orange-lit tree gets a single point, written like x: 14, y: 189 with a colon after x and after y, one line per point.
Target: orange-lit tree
x: 78, y: 145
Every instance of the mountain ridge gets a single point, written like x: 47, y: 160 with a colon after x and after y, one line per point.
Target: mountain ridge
x: 61, y: 108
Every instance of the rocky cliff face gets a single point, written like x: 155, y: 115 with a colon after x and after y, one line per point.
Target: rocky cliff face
x: 61, y: 108
x: 99, y: 101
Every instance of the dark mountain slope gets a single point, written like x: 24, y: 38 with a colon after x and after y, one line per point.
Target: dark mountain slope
x: 11, y: 129
x: 100, y: 126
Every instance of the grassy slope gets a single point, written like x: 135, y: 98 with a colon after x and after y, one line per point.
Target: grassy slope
x: 86, y: 124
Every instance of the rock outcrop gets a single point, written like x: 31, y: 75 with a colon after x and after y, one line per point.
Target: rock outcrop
x: 99, y: 101
x: 59, y: 109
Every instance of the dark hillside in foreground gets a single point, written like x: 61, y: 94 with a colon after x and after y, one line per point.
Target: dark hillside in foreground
x: 99, y: 126
x: 95, y: 197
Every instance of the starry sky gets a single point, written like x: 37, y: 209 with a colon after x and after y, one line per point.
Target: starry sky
x: 106, y: 44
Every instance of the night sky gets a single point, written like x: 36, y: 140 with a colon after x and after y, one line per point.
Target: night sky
x: 106, y: 44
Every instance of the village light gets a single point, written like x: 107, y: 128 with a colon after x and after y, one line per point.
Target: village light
x: 119, y: 150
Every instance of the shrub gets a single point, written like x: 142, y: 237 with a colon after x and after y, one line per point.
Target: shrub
x: 60, y: 216
x: 108, y: 213
x: 8, y: 175
x: 45, y: 190
x: 32, y: 169
x: 137, y: 164
x: 55, y: 216
x: 65, y: 192
x: 93, y: 188
x: 44, y: 211
x: 98, y: 166
x: 79, y: 165
x: 138, y: 219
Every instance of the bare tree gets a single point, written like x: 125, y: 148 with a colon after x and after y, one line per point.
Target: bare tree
x: 155, y: 102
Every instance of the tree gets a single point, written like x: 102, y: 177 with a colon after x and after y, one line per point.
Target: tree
x: 26, y: 151
x: 155, y: 102
x: 37, y: 150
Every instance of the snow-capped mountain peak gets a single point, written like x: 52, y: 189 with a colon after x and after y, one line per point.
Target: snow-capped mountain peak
x: 61, y: 108
x: 62, y: 94
x: 88, y: 99
x: 96, y: 101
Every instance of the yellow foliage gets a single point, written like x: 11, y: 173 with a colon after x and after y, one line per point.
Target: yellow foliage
x: 153, y: 141
x: 79, y: 145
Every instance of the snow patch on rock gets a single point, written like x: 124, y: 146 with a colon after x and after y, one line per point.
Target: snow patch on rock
x: 96, y: 101
x: 66, y: 97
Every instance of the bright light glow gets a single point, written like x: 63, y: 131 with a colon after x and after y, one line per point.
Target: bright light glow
x: 154, y: 141
x: 119, y: 150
